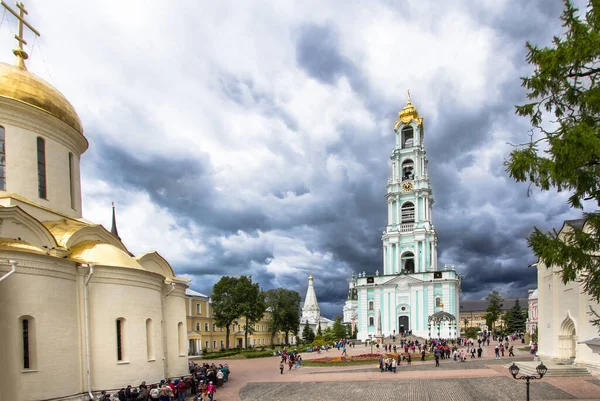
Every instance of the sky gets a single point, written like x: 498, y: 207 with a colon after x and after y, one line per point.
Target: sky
x: 254, y: 138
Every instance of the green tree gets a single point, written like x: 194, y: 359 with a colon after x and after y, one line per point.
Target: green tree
x: 225, y: 304
x: 355, y: 334
x: 339, y: 331
x: 251, y: 304
x: 563, y: 152
x: 308, y: 336
x: 515, y: 319
x: 319, y: 331
x: 285, y: 312
x: 328, y: 335
x: 466, y: 321
x: 494, y: 308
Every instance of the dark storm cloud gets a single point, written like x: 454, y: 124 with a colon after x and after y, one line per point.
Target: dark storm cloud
x: 342, y: 213
x: 317, y: 53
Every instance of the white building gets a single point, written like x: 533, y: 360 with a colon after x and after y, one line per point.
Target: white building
x: 311, y: 313
x: 565, y: 332
x: 532, y: 312
x: 78, y: 312
x: 411, y: 293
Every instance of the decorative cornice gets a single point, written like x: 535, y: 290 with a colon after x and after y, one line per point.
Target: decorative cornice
x: 40, y: 265
x: 39, y: 122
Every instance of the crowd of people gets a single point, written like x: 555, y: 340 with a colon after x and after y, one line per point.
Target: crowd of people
x: 290, y: 359
x: 202, y: 384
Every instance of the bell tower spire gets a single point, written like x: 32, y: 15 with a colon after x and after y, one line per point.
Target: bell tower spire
x: 113, y: 228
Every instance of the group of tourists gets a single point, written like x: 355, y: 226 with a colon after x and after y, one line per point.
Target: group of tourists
x: 290, y: 359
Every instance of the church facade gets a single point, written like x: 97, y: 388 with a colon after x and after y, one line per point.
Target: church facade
x: 410, y: 293
x: 78, y: 312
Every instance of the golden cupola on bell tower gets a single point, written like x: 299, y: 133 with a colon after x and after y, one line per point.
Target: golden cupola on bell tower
x: 41, y: 138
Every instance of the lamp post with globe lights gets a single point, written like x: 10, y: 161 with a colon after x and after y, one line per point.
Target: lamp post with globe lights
x: 541, y: 371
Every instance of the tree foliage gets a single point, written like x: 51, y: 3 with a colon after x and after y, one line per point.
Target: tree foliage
x: 251, y: 304
x: 308, y: 335
x: 284, y: 306
x: 515, y: 319
x: 564, y: 147
x: 338, y: 329
x: 225, y: 304
x: 494, y: 308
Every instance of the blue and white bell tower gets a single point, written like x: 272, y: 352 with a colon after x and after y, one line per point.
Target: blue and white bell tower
x: 409, y: 240
x: 410, y: 291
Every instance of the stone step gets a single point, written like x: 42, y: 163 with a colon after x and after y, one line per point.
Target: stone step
x: 554, y: 371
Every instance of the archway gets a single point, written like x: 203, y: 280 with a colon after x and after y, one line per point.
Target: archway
x: 403, y: 324
x: 567, y: 350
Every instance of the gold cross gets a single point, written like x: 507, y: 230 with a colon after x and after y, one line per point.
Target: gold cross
x: 19, y: 52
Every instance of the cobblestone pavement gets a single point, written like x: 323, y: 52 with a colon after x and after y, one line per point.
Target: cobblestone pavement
x: 479, y: 379
x: 488, y: 389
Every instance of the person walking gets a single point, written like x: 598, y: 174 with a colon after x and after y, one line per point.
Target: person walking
x: 281, y: 367
x: 510, y: 351
x: 437, y: 359
x: 423, y: 354
x: 497, y: 352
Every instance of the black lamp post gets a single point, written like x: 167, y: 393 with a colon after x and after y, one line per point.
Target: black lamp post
x: 541, y: 371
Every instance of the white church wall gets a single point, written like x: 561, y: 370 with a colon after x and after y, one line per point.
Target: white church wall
x: 177, y: 333
x: 23, y: 125
x: 134, y: 296
x: 44, y: 289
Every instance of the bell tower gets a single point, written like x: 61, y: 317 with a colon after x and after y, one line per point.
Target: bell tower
x: 409, y: 240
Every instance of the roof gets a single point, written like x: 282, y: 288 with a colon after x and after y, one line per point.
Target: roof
x: 577, y: 223
x: 193, y: 293
x: 591, y: 341
x: 481, y: 305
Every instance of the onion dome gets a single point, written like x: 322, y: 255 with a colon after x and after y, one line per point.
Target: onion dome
x: 16, y: 83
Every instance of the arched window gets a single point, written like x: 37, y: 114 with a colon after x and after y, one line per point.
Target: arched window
x: 150, y: 339
x: 408, y: 262
x: 121, y: 338
x: 438, y: 302
x: 41, y: 163
x: 407, y: 170
x: 371, y: 321
x: 407, y: 137
x: 2, y: 160
x: 408, y: 212
x: 71, y: 181
x: 181, y: 339
x: 28, y: 342
x: 371, y: 305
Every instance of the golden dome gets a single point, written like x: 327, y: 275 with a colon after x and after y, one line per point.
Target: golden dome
x: 20, y: 246
x: 19, y: 84
x: 408, y: 114
x: 103, y: 254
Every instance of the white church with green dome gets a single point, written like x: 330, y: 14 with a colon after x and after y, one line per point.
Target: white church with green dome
x: 411, y: 292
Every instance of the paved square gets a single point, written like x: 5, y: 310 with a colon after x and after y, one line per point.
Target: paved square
x: 478, y: 389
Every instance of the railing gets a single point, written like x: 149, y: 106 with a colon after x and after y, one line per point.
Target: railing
x: 407, y: 227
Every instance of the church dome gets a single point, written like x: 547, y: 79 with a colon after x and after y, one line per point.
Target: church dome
x: 19, y: 84
x: 100, y: 253
x: 408, y: 113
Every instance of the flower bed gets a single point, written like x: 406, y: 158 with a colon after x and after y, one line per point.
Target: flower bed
x: 354, y: 358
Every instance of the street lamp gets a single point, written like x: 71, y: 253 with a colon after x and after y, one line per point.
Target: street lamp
x: 541, y: 371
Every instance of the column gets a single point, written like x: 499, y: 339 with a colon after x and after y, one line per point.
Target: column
x: 398, y: 265
x: 384, y: 259
x: 434, y: 256
x: 423, y: 251
x: 389, y: 212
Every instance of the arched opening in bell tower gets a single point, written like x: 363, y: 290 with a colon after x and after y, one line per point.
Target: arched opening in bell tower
x: 408, y: 212
x: 408, y: 262
x: 407, y: 137
x: 407, y: 170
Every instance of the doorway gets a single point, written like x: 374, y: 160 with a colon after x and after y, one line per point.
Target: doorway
x: 403, y: 325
